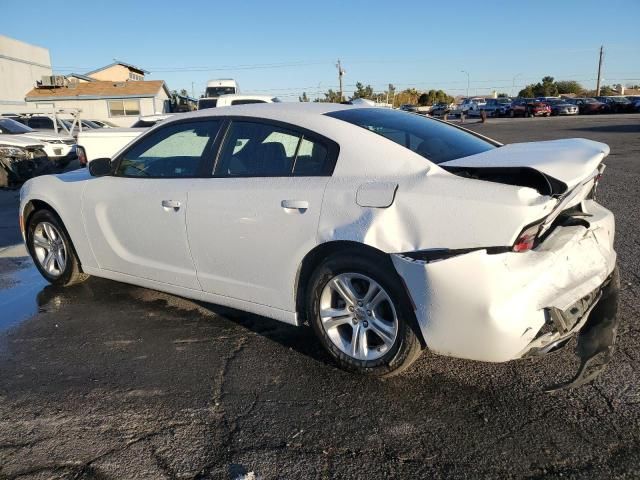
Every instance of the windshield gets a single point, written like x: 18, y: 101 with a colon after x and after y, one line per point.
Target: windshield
x: 8, y: 125
x: 217, y: 91
x: 434, y: 140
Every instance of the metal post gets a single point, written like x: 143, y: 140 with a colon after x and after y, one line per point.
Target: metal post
x: 468, y: 81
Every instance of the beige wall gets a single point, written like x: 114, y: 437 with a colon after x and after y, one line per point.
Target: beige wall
x: 98, y: 109
x: 21, y: 65
x: 115, y: 73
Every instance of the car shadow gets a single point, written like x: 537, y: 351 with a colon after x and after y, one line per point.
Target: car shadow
x: 300, y: 339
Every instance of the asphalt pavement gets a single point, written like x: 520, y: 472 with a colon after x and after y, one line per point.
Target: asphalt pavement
x: 105, y: 380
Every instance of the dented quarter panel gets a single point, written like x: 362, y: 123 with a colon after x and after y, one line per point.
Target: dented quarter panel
x: 490, y: 307
x: 422, y: 214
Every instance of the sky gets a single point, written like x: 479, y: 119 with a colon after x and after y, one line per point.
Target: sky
x: 283, y: 48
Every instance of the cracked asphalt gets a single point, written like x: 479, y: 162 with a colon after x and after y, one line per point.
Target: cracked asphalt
x: 109, y: 381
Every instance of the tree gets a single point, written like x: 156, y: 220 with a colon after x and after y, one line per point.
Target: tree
x: 423, y: 100
x: 184, y: 92
x: 503, y: 95
x: 329, y: 97
x: 569, y: 86
x: 606, y: 90
x: 527, y: 92
x: 363, y: 92
x: 304, y: 97
x: 546, y: 88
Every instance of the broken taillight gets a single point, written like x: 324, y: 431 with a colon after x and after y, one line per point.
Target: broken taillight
x: 527, y: 238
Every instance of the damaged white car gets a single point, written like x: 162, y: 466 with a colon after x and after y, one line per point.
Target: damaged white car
x: 387, y: 231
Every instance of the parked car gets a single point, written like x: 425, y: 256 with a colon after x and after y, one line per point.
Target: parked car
x: 235, y: 99
x: 617, y: 104
x: 562, y: 107
x: 368, y: 223
x: 60, y: 149
x: 106, y: 142
x: 440, y: 109
x: 408, y: 107
x: 529, y: 107
x: 104, y: 123
x: 497, y: 107
x: 471, y: 106
x: 21, y: 158
x: 589, y: 106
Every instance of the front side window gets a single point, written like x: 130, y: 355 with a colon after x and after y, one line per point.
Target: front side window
x: 170, y: 152
x: 263, y: 150
x: 434, y: 140
x: 124, y: 108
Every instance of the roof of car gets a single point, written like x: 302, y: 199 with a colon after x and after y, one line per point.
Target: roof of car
x: 284, y: 110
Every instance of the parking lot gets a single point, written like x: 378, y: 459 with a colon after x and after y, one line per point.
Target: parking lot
x: 106, y: 380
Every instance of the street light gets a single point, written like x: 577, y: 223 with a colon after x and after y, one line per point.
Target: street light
x: 513, y: 86
x: 468, y: 81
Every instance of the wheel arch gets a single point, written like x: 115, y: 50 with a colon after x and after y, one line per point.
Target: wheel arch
x: 34, y: 205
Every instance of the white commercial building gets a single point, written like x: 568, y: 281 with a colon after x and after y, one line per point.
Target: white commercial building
x: 21, y: 65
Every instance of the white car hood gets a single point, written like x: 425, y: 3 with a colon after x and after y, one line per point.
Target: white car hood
x: 569, y: 161
x: 19, y: 141
x: 48, y: 136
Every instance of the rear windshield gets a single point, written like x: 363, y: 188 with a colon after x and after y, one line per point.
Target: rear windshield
x: 434, y: 140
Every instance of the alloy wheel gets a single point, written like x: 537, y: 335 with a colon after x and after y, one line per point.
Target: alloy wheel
x: 49, y: 249
x: 358, y: 316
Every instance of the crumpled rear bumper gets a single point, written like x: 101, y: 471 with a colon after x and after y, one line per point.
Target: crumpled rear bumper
x: 492, y: 307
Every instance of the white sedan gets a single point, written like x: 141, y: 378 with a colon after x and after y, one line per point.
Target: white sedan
x: 387, y: 231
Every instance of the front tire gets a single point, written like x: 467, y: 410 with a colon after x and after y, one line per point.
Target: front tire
x: 361, y: 315
x: 52, y: 251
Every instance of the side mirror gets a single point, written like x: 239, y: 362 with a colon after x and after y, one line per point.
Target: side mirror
x: 100, y: 167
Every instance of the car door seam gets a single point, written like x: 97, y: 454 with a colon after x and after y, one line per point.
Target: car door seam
x: 186, y: 228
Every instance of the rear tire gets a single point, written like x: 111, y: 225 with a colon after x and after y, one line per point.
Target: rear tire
x: 50, y: 247
x: 372, y: 329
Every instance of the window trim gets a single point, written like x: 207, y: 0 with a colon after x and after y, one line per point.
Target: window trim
x: 332, y: 147
x: 211, y: 150
x: 123, y: 109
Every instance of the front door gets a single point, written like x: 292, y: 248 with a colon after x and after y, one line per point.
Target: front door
x: 136, y: 219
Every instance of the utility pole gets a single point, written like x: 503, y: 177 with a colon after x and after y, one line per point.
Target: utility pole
x: 193, y: 95
x: 468, y: 81
x: 341, y: 73
x: 599, y: 70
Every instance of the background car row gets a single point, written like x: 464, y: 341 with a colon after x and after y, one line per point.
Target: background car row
x: 531, y: 107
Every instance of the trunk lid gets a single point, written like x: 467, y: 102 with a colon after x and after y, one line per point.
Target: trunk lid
x: 567, y: 162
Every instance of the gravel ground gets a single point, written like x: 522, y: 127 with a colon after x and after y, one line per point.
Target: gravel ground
x: 105, y: 380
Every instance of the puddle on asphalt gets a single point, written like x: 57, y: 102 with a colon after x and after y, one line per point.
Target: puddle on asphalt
x: 19, y: 288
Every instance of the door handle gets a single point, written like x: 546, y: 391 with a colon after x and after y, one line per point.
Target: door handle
x: 290, y: 206
x: 173, y: 204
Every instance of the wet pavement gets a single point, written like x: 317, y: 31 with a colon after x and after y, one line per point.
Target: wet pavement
x: 105, y: 380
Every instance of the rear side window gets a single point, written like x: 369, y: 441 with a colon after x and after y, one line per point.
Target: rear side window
x: 253, y: 149
x: 174, y: 151
x: 434, y: 140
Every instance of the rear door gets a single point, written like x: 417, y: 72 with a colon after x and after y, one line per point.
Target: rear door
x: 252, y: 223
